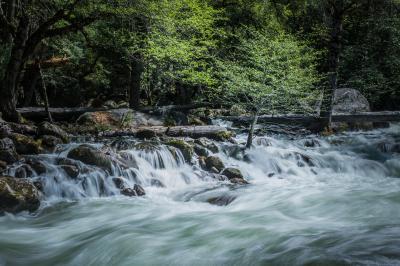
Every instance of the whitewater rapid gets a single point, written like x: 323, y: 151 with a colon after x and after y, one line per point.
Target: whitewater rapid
x: 311, y: 201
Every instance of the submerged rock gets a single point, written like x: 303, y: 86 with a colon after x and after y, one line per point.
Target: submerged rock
x: 47, y: 128
x: 214, y: 162
x: 136, y: 191
x: 119, y: 182
x: 18, y: 195
x: 156, y: 183
x: 221, y: 200
x: 92, y: 156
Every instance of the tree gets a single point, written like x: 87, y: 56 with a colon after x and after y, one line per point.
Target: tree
x: 26, y: 25
x: 270, y: 72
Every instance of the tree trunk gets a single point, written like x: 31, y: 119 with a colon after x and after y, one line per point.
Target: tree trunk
x: 45, y: 97
x: 251, y: 131
x: 136, y: 72
x: 335, y: 45
x: 8, y: 88
x: 29, y: 81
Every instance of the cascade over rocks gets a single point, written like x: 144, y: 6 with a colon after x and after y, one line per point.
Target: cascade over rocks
x: 232, y: 173
x: 186, y: 149
x: 136, y: 191
x: 92, y: 156
x: 208, y: 144
x: 18, y: 195
x: 214, y: 162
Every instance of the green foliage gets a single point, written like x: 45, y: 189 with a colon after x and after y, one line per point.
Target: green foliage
x: 272, y: 71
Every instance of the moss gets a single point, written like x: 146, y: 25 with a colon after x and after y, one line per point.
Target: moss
x: 186, y: 149
x: 224, y: 135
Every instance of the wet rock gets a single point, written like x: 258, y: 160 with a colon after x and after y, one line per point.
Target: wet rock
x: 389, y: 147
x: 239, y: 181
x: 23, y: 129
x: 50, y: 142
x: 186, y: 149
x: 263, y: 142
x: 47, y: 128
x: 66, y: 161
x: 3, y: 166
x: 304, y: 158
x: 36, y: 165
x: 91, y: 156
x: 8, y: 153
x: 25, y: 144
x: 214, y: 162
x: 200, y: 151
x: 232, y: 173
x: 119, y: 182
x: 18, y: 195
x: 136, y: 191
x: 123, y: 144
x: 208, y: 144
x: 219, y: 177
x: 311, y: 143
x: 70, y: 170
x: 156, y: 183
x: 202, y: 162
x: 23, y: 171
x: 146, y: 134
x: 5, y: 130
x: 223, y: 200
x: 110, y: 104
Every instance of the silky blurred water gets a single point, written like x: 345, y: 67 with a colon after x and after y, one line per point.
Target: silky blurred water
x: 336, y: 203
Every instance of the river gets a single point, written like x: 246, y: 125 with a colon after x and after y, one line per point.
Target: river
x: 311, y: 201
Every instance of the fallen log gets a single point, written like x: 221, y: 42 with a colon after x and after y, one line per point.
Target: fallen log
x: 312, y: 122
x: 195, y: 132
x: 161, y: 110
x: 58, y: 114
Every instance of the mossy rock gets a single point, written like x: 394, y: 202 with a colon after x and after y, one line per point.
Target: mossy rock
x: 91, y: 156
x: 8, y: 153
x: 186, y: 149
x: 49, y: 129
x: 224, y: 135
x: 214, y: 162
x: 18, y: 195
x: 25, y: 144
x: 232, y: 173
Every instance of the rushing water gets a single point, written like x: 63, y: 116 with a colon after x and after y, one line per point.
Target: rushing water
x: 335, y: 203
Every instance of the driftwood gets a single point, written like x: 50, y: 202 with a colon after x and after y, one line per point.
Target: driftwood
x: 211, y: 132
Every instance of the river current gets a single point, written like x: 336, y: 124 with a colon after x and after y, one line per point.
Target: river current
x: 311, y: 201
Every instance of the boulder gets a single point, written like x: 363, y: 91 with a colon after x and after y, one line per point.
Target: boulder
x: 5, y: 130
x: 25, y: 144
x: 23, y: 129
x: 214, y: 162
x: 200, y: 150
x: 8, y: 153
x: 186, y: 149
x: 36, y: 165
x: 23, y: 171
x: 208, y: 144
x: 50, y: 142
x: 18, y: 195
x: 3, y: 166
x: 47, y: 128
x: 146, y: 134
x: 92, y: 156
x: 232, y: 173
x: 119, y: 182
x: 136, y: 191
x: 71, y: 170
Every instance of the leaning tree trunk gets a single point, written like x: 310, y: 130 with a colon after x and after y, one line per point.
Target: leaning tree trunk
x: 135, y: 86
x: 29, y: 81
x: 251, y: 131
x: 45, y: 97
x: 335, y: 44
